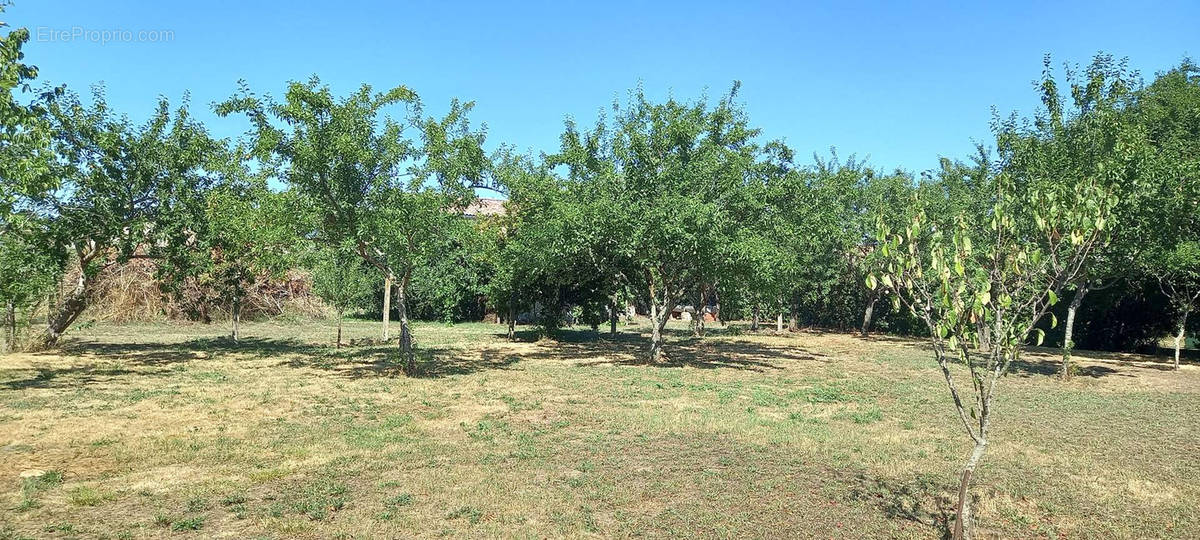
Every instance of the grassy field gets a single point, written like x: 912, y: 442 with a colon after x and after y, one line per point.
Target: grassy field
x: 167, y: 430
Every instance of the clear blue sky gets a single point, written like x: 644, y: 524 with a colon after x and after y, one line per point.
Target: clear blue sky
x: 902, y: 85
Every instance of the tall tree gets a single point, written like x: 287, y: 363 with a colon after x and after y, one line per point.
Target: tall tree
x: 369, y: 184
x: 1089, y: 135
x: 1169, y: 108
x: 29, y: 268
x: 668, y: 169
x: 29, y: 263
x: 116, y: 187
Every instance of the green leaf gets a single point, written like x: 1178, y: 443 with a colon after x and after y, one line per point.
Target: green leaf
x: 1053, y: 298
x: 1041, y: 336
x: 871, y: 283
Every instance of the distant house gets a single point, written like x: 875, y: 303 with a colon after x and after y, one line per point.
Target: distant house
x: 484, y: 207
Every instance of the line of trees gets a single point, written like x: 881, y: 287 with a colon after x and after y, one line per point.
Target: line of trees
x: 658, y: 203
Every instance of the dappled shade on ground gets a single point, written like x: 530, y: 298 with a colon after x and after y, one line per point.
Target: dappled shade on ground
x: 158, y: 429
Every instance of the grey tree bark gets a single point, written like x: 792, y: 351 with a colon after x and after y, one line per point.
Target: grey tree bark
x: 1069, y: 331
x: 1179, y: 337
x: 387, y: 305
x: 779, y: 323
x: 68, y: 310
x: 512, y: 321
x: 10, y: 327
x: 612, y: 316
x: 658, y: 321
x: 754, y: 318
x: 406, y: 348
x: 962, y: 522
x: 237, y: 318
x: 867, y: 314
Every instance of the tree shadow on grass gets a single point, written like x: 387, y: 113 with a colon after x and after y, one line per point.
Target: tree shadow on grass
x: 586, y: 348
x: 170, y: 353
x: 74, y: 376
x: 385, y: 361
x: 921, y: 499
x: 1035, y: 368
x: 106, y: 362
x: 1044, y: 361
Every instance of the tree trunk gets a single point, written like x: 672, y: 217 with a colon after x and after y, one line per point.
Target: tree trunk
x: 698, y: 316
x: 612, y: 316
x: 658, y: 321
x: 1069, y: 331
x: 754, y: 318
x: 963, y: 529
x: 1179, y: 337
x: 866, y: 324
x: 387, y: 305
x: 779, y: 324
x: 10, y: 327
x: 237, y: 318
x: 716, y: 296
x: 339, y: 332
x: 69, y: 310
x: 512, y: 321
x: 406, y: 348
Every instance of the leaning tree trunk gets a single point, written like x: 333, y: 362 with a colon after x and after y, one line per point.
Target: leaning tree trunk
x: 387, y: 305
x: 10, y: 327
x: 406, y: 348
x: 868, y: 313
x: 68, y: 310
x: 1179, y: 337
x: 1069, y: 331
x: 963, y: 529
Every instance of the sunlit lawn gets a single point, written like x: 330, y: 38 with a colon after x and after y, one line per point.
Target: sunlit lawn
x: 164, y: 430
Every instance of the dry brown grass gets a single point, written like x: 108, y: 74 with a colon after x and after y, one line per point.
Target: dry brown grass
x: 164, y: 430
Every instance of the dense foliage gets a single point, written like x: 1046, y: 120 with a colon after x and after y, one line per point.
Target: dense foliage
x: 664, y: 208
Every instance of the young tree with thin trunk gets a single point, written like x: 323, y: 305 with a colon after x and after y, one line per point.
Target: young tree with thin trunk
x: 245, y: 239
x: 368, y: 184
x: 1001, y: 270
x: 340, y: 279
